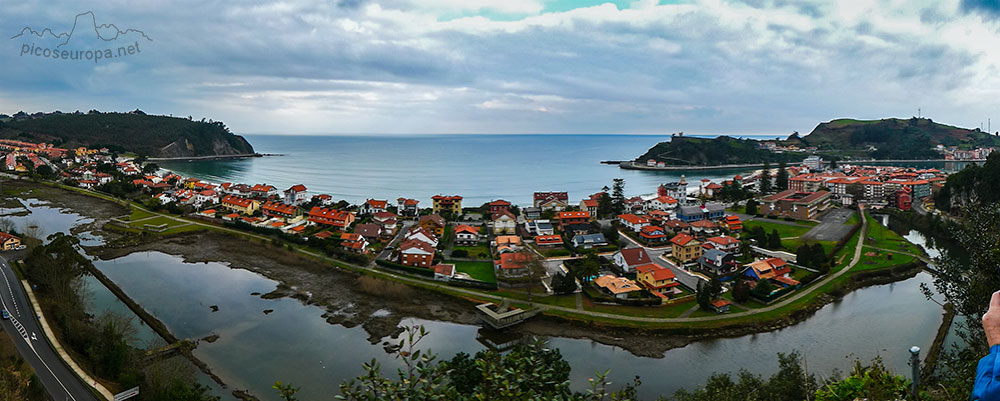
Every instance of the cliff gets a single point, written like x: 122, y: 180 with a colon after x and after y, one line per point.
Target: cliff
x: 136, y: 132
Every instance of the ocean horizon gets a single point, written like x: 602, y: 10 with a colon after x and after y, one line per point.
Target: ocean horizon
x: 481, y: 167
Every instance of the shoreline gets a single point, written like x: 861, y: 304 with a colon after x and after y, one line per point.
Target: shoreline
x: 210, y: 157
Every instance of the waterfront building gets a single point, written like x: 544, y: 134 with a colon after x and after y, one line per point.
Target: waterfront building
x: 451, y: 204
x: 338, y: 219
x: 407, y: 207
x: 280, y: 210
x: 240, y: 204
x: 372, y: 206
x: 296, y: 195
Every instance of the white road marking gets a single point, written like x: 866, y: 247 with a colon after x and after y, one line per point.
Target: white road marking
x: 24, y: 334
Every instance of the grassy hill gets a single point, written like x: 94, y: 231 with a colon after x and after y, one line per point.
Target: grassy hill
x: 690, y: 151
x: 894, y: 138
x: 155, y: 136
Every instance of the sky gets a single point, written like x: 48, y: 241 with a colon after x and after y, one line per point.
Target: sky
x: 509, y: 66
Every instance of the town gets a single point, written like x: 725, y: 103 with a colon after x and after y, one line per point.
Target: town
x: 698, y: 248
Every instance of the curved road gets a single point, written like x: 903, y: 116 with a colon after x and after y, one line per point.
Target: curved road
x: 59, y: 381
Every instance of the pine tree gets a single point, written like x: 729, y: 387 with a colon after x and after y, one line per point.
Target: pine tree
x: 781, y: 179
x: 765, y: 178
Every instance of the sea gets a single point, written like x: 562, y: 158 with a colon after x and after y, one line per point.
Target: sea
x: 480, y: 168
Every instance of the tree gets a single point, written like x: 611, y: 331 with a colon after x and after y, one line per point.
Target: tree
x: 586, y: 268
x: 774, y: 240
x: 763, y: 288
x: 966, y: 279
x: 765, y: 178
x: 528, y: 372
x: 563, y: 284
x: 618, y: 196
x: 751, y: 206
x: 604, y: 206
x: 535, y: 267
x: 856, y: 190
x: 741, y: 291
x: 781, y: 179
x: 708, y: 292
x: 833, y: 164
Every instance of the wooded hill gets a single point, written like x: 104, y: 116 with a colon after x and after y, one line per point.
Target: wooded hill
x: 886, y: 139
x: 136, y: 132
x: 690, y: 151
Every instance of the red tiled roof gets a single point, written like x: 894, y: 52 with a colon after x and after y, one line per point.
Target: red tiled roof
x: 298, y: 188
x: 724, y: 240
x: 462, y: 228
x: 682, y: 239
x: 377, y: 204
x: 548, y: 240
x: 236, y: 201
x: 572, y: 215
x: 635, y: 256
x: 633, y: 219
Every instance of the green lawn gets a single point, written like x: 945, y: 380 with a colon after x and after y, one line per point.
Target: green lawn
x: 482, y: 271
x: 880, y: 236
x: 139, y: 214
x: 478, y: 251
x: 881, y: 260
x: 784, y: 230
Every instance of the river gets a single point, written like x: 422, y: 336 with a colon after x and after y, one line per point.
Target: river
x: 295, y: 344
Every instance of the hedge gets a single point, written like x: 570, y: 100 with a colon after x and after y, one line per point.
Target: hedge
x: 460, y: 282
x: 408, y: 269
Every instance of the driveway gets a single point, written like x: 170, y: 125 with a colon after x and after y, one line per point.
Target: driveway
x: 833, y: 227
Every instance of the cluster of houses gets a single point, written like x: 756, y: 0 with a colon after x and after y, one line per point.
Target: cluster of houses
x: 877, y: 186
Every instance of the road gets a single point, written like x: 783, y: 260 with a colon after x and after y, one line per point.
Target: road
x: 59, y: 381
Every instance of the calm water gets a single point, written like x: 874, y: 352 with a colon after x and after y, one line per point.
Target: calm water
x: 478, y: 167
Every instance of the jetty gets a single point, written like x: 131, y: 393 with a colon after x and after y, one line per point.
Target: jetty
x: 503, y: 315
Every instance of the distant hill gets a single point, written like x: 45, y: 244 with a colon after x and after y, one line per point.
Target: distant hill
x: 886, y: 139
x: 154, y: 136
x: 691, y: 151
x: 895, y: 138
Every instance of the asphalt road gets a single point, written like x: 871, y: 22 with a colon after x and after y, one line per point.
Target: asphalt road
x: 59, y: 381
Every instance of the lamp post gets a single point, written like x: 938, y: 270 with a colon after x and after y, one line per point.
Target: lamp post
x: 915, y: 365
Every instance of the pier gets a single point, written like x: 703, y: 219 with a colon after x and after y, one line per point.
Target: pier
x: 503, y: 315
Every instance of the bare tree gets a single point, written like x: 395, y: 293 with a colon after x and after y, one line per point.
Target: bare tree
x: 6, y: 225
x: 534, y: 265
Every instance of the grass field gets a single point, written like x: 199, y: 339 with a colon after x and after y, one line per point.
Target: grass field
x: 880, y: 236
x: 478, y: 251
x: 482, y: 271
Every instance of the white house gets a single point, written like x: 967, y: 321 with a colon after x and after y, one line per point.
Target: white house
x: 633, y: 222
x: 663, y: 202
x: 296, y: 195
x: 373, y: 206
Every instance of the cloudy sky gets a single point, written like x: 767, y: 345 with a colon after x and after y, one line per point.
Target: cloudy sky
x: 513, y: 66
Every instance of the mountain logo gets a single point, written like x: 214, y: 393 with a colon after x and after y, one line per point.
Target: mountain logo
x: 85, y: 31
x: 67, y: 36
